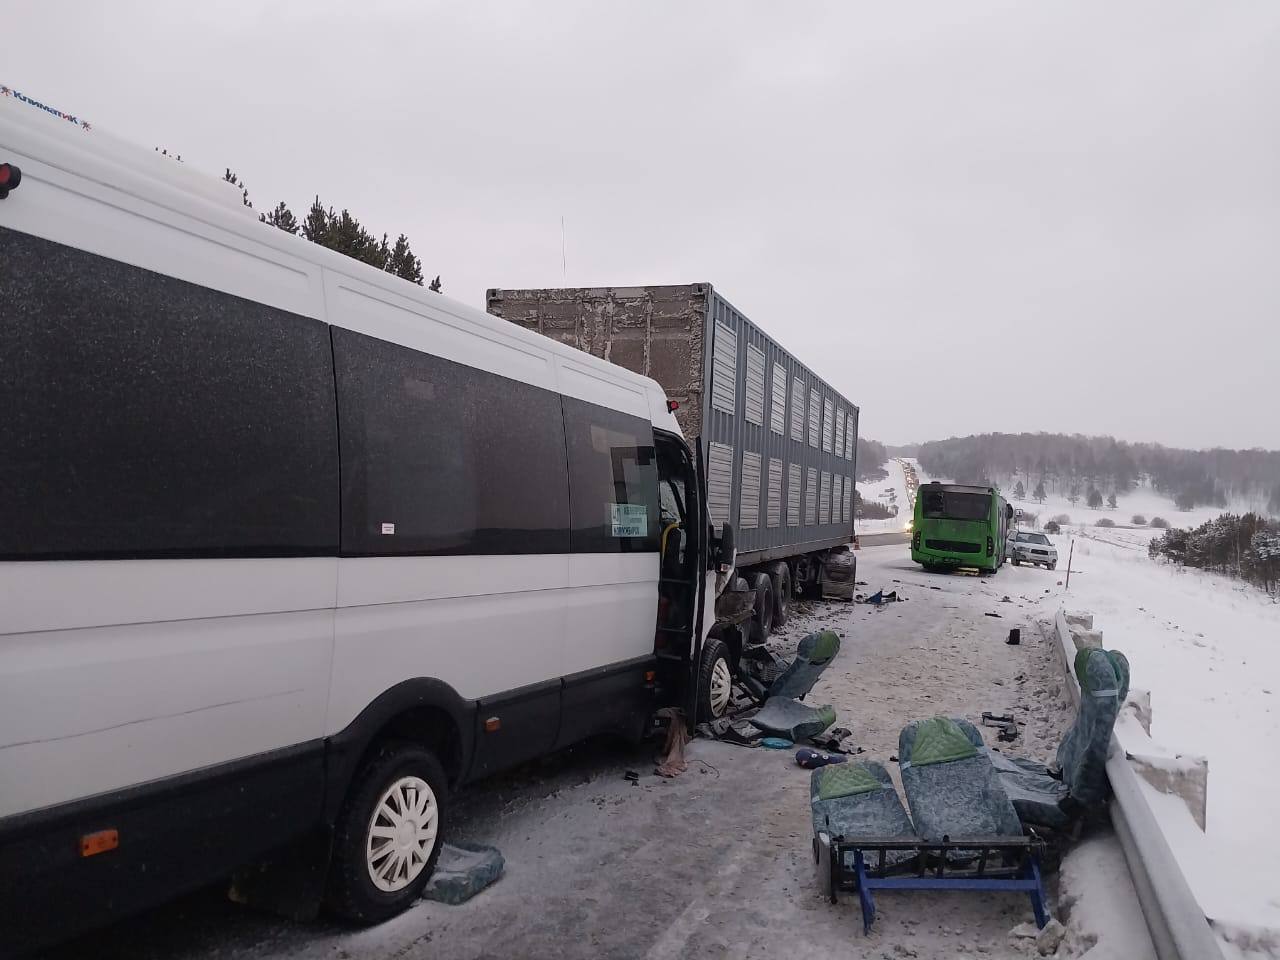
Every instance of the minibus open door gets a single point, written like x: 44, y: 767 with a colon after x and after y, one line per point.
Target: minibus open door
x: 706, y: 590
x: 717, y: 556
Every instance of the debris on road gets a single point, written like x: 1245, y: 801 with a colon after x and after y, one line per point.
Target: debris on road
x: 673, y: 763
x: 462, y: 871
x: 1049, y: 939
x: 879, y: 598
x: 1015, y: 637
x: 832, y: 740
x: 777, y: 743
x: 737, y: 731
x: 785, y: 717
x: 812, y: 759
x: 813, y: 655
x: 996, y: 615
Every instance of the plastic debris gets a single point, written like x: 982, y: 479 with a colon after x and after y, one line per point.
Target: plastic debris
x: 1015, y: 637
x: 777, y: 743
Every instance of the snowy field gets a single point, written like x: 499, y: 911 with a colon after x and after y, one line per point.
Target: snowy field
x: 1208, y: 649
x: 1141, y: 500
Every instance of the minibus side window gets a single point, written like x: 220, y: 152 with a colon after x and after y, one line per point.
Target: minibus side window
x: 439, y: 458
x: 613, y: 480
x: 148, y: 417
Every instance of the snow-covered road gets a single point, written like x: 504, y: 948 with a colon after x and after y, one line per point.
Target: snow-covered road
x: 716, y: 863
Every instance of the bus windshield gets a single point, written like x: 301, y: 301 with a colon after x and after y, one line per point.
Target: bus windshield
x: 946, y: 505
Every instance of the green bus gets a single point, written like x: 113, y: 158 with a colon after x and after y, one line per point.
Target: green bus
x: 960, y: 526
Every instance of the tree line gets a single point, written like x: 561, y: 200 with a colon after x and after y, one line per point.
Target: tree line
x: 341, y: 231
x: 1075, y: 463
x: 1246, y: 547
x: 871, y: 458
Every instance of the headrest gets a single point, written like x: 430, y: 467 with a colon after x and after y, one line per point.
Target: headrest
x: 935, y: 740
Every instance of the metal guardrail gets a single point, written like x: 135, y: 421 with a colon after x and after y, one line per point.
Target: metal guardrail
x: 1175, y: 919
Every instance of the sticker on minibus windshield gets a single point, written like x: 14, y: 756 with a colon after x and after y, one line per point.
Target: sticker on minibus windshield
x: 388, y: 529
x: 629, y: 519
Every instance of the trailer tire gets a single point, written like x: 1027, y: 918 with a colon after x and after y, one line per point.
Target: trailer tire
x: 780, y: 574
x: 715, y: 677
x: 762, y: 612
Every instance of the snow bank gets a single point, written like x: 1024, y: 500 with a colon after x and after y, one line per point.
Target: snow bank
x: 1208, y: 649
x: 1097, y: 901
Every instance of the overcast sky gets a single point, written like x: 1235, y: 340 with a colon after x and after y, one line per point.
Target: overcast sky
x: 966, y: 216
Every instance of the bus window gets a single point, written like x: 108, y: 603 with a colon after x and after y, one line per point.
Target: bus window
x: 948, y: 505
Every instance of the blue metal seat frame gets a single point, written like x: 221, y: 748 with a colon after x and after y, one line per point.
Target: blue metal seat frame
x: 995, y: 864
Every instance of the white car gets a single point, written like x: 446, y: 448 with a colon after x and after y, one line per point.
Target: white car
x: 1027, y: 546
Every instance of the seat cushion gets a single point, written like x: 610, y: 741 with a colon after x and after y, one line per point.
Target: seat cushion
x: 857, y: 801
x: 952, y: 788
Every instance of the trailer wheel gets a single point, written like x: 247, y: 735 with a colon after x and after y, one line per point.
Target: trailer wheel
x: 762, y: 615
x: 715, y: 681
x: 780, y: 574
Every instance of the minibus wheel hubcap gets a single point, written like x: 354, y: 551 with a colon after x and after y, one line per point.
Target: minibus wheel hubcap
x: 720, y: 686
x: 402, y: 834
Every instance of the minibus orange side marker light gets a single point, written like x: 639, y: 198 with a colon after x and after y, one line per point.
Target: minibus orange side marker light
x: 493, y: 725
x: 92, y: 844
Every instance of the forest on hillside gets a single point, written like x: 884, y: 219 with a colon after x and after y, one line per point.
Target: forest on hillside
x: 1190, y: 478
x: 870, y: 458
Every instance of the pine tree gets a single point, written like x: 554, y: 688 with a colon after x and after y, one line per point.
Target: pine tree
x: 1073, y: 495
x: 343, y: 233
x: 316, y: 227
x: 235, y: 181
x: 435, y: 284
x: 1019, y: 490
x: 403, y: 263
x: 1094, y: 498
x: 1039, y: 493
x: 1111, y: 500
x: 281, y: 218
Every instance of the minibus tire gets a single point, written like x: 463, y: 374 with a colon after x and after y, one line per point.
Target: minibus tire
x: 714, y: 669
x: 352, y: 894
x: 780, y: 574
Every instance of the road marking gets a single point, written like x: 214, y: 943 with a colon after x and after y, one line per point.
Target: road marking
x: 672, y: 943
